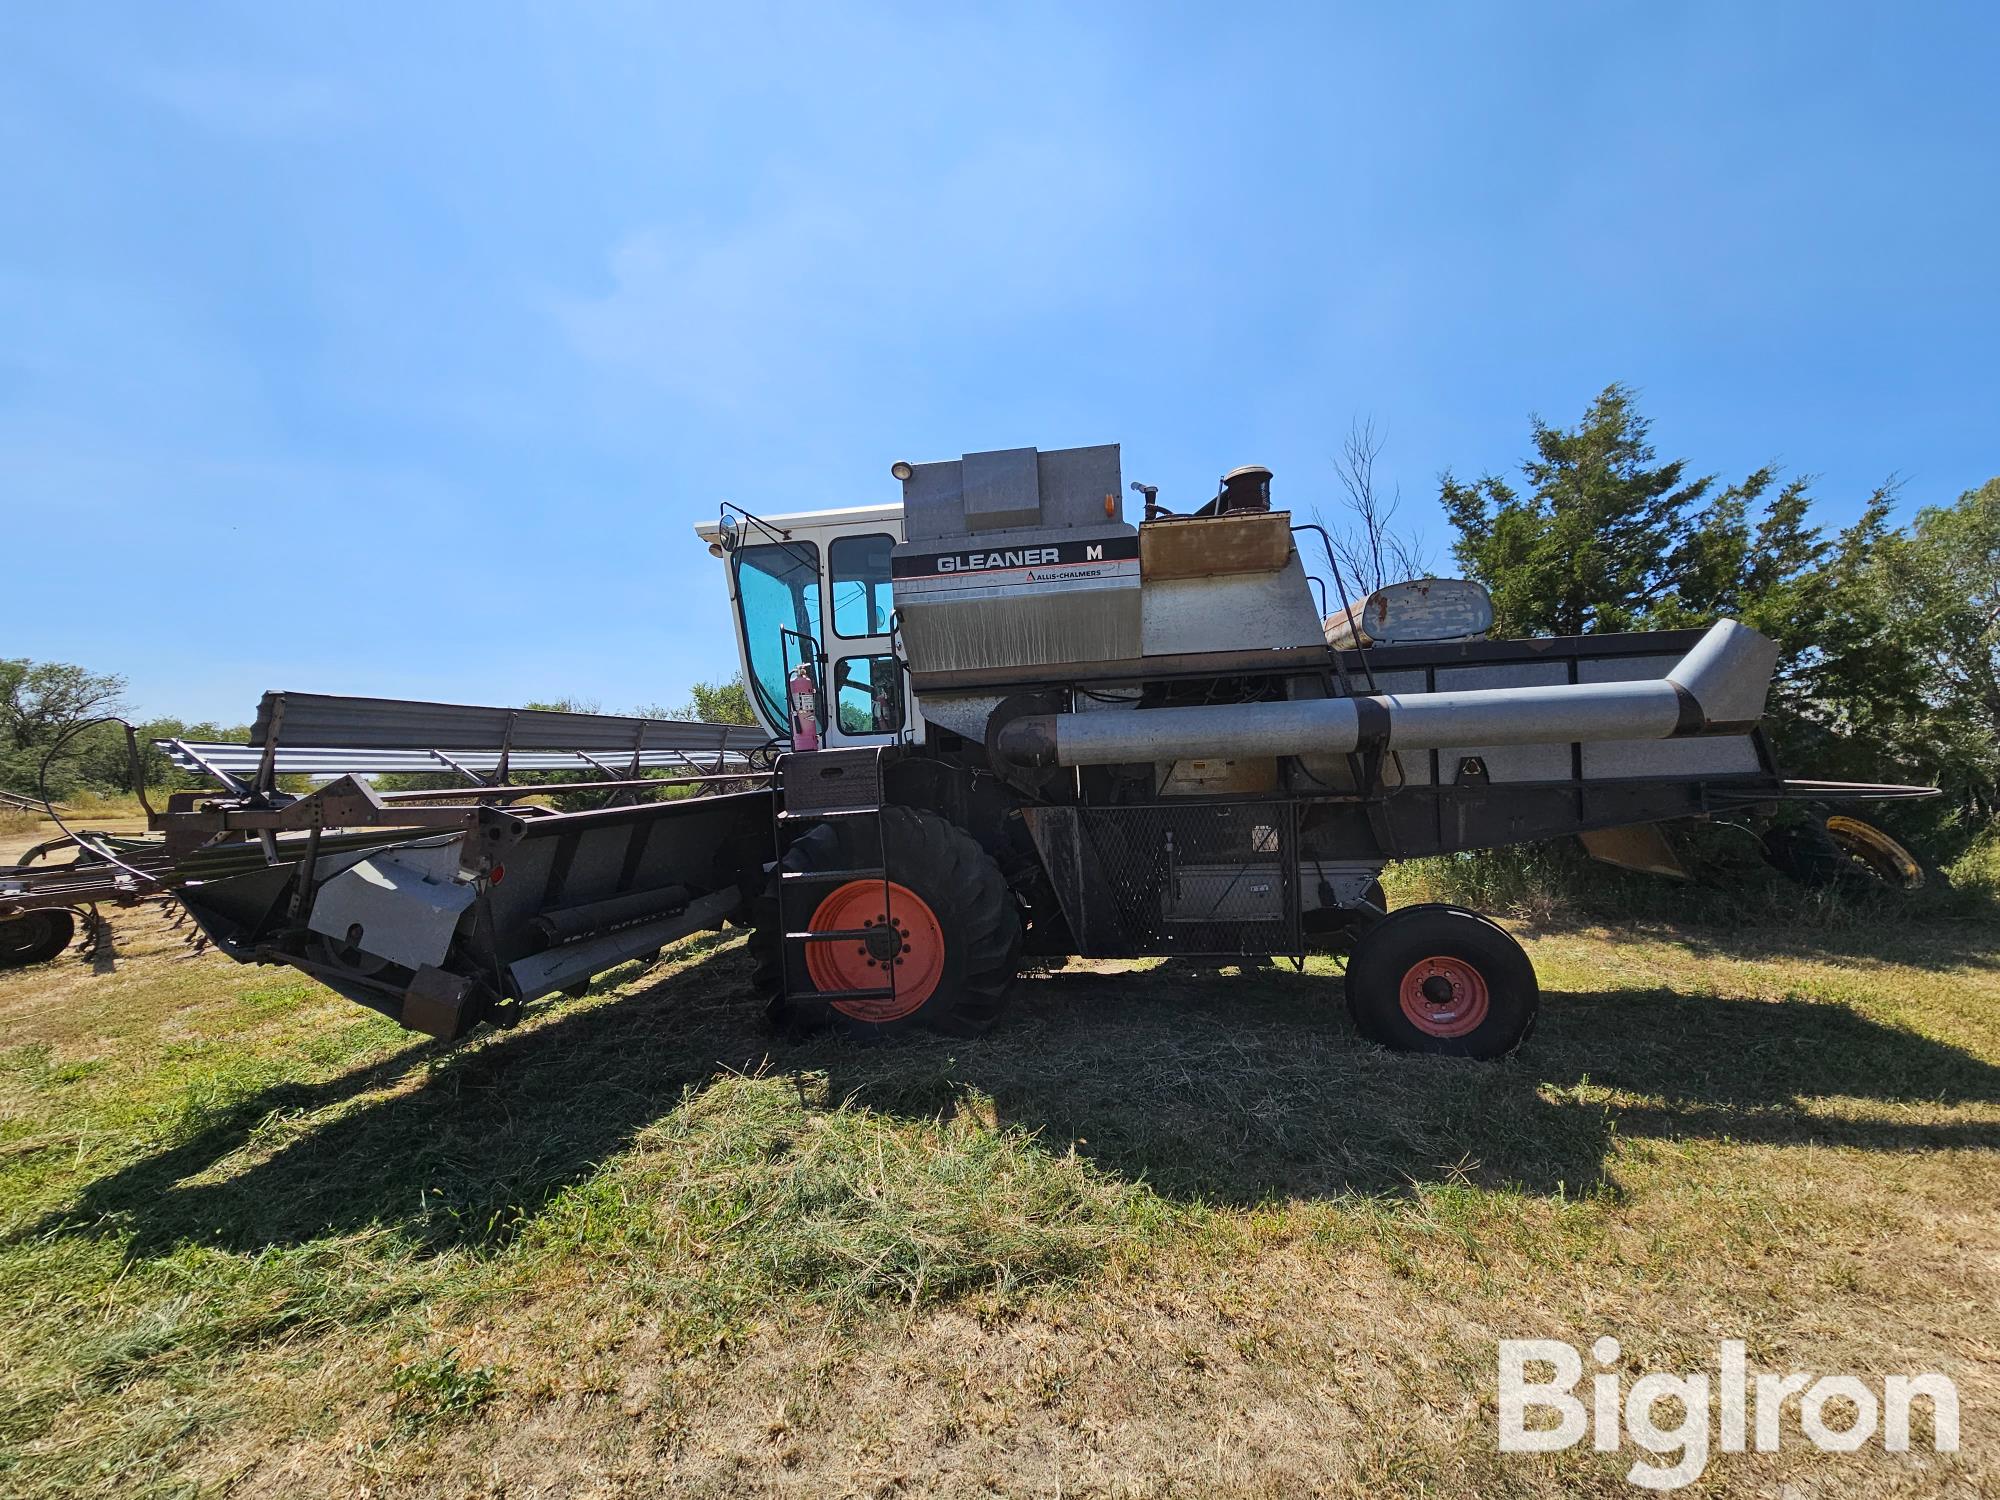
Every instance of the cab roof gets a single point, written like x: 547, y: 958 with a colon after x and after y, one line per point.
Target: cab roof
x: 814, y: 520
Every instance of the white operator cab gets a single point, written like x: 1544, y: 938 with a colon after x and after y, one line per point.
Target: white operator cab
x: 815, y: 586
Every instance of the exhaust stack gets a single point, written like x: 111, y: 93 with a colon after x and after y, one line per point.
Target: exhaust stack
x: 1717, y: 688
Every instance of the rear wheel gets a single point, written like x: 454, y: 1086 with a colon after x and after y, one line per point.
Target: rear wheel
x: 35, y: 937
x: 1872, y: 849
x: 945, y: 932
x: 1442, y: 980
x: 1841, y: 851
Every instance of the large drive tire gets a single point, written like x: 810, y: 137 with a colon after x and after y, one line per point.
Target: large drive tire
x: 958, y: 930
x: 35, y: 937
x: 1442, y: 980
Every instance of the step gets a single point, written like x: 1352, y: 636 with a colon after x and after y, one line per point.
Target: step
x: 833, y: 935
x: 882, y: 994
x: 832, y: 874
x: 828, y: 812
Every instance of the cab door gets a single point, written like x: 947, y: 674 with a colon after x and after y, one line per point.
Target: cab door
x: 867, y: 697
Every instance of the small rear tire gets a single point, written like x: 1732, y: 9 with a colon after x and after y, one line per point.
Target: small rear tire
x: 1442, y: 980
x: 35, y: 937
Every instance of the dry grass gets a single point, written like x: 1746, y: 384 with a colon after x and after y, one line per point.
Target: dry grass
x: 91, y: 806
x: 15, y: 822
x: 1157, y: 1236
x: 20, y: 831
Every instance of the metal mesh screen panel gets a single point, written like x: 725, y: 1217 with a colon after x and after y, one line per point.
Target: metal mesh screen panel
x: 1212, y: 879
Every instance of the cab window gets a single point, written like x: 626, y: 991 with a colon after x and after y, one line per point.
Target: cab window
x: 868, y: 695
x: 862, y: 599
x: 777, y: 594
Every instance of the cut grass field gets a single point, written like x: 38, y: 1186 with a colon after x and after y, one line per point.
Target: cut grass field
x: 1161, y: 1234
x: 21, y: 830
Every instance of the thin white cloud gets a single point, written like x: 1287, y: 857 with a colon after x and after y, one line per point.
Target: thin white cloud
x: 708, y: 316
x: 259, y: 105
x: 727, y: 317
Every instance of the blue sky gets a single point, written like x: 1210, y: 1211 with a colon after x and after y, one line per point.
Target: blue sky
x: 396, y: 349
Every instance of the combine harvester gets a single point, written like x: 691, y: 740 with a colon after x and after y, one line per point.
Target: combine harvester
x: 996, y: 720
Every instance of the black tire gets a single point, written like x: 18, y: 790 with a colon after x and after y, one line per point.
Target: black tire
x: 35, y: 937
x: 1805, y: 852
x: 947, y: 871
x: 1479, y: 999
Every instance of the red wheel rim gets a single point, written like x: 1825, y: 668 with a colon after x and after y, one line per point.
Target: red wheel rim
x: 1443, y: 996
x: 915, y: 955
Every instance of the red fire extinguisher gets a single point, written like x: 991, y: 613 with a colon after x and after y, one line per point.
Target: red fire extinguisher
x: 805, y: 708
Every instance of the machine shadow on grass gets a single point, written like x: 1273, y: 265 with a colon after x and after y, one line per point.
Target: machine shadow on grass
x: 1231, y: 1088
x: 1241, y: 1087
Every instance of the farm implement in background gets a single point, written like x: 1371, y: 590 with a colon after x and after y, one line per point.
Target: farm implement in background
x: 215, y: 844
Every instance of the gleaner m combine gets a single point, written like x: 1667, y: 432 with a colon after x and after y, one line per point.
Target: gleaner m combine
x: 997, y: 720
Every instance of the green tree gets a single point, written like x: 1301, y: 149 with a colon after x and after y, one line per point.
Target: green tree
x: 40, y: 703
x: 726, y: 702
x: 719, y: 702
x: 1607, y: 537
x: 1592, y: 542
x: 1846, y: 687
x: 103, y: 760
x: 1844, y: 677
x: 1936, y: 588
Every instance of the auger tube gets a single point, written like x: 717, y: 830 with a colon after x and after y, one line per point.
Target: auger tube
x: 1717, y: 688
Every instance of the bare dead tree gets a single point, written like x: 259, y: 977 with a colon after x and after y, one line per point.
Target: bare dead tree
x: 1370, y: 550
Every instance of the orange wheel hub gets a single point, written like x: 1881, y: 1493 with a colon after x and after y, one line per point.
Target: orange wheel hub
x: 1444, y: 996
x: 905, y: 949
